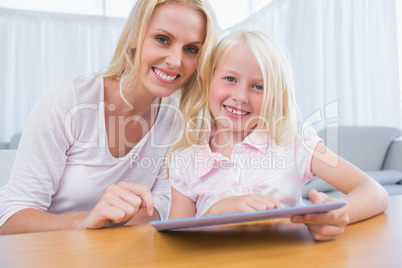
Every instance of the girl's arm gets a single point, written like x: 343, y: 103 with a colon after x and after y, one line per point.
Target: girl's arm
x: 366, y: 197
x: 182, y: 206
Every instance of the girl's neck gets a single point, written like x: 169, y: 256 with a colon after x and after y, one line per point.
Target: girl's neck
x: 223, y: 142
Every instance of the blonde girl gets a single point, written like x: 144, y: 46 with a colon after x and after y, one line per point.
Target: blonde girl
x: 250, y: 151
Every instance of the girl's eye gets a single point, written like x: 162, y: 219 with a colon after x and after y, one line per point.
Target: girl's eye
x: 259, y: 87
x: 192, y: 50
x: 162, y: 40
x: 230, y: 79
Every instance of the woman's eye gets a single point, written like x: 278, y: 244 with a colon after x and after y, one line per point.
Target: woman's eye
x: 259, y: 87
x: 162, y: 40
x: 192, y: 50
x: 230, y: 79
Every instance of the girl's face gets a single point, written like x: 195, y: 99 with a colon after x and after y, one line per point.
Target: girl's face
x: 236, y: 92
x: 170, y: 49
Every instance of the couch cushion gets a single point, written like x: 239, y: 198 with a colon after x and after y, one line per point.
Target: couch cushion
x: 394, y: 156
x: 15, y: 140
x: 365, y: 147
x: 394, y: 189
x: 384, y: 177
x: 6, y: 164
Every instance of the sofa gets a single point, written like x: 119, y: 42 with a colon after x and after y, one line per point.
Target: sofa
x: 13, y: 143
x: 376, y: 150
x: 6, y: 163
x: 8, y: 151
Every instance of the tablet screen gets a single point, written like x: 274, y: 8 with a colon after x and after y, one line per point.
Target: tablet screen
x: 165, y: 225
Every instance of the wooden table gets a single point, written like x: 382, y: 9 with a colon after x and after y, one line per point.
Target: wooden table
x: 376, y: 242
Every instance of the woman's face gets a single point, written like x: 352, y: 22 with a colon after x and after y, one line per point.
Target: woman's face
x: 170, y: 49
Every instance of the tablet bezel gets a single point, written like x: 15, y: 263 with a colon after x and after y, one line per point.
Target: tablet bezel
x: 173, y: 224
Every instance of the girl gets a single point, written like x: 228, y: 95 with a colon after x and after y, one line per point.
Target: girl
x: 254, y: 153
x: 79, y: 163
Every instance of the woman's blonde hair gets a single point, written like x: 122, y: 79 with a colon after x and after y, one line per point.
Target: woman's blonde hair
x: 125, y: 63
x: 279, y: 112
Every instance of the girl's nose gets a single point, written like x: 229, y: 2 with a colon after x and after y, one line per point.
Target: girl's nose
x: 240, y: 94
x: 173, y: 59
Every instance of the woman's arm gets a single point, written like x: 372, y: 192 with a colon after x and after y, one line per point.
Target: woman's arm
x: 123, y: 203
x: 32, y: 220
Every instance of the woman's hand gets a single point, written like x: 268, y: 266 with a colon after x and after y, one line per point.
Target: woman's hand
x: 324, y: 226
x: 120, y: 203
x: 243, y: 203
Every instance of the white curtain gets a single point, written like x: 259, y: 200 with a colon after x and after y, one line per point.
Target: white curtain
x: 344, y: 55
x: 38, y: 48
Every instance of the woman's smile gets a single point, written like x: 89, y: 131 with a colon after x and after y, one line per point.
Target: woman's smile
x: 164, y: 75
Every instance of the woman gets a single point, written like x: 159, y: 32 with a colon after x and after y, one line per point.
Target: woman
x: 92, y: 149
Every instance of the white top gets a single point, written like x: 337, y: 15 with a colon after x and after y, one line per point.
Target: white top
x: 257, y: 166
x: 63, y: 163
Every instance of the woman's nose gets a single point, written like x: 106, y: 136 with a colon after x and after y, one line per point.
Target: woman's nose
x: 173, y: 59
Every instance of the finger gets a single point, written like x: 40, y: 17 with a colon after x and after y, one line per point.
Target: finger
x: 143, y: 204
x: 271, y: 202
x: 260, y: 202
x: 141, y: 191
x: 102, y: 217
x: 130, y: 198
x: 254, y: 204
x: 128, y: 203
x: 316, y: 197
x: 334, y: 217
x: 320, y: 237
x: 325, y: 232
x: 118, y: 196
x: 246, y: 207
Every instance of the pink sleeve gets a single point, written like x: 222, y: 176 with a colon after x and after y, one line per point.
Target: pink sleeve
x: 306, y: 142
x: 161, y: 193
x: 179, y: 173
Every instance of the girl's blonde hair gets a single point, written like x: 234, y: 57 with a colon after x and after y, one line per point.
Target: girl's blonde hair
x: 125, y: 63
x: 279, y: 112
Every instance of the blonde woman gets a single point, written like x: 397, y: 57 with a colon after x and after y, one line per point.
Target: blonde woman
x: 92, y: 149
x: 251, y: 152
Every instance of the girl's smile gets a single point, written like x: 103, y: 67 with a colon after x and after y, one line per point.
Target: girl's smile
x: 235, y: 112
x: 236, y: 92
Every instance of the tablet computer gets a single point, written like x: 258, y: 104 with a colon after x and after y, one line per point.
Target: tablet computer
x: 165, y: 225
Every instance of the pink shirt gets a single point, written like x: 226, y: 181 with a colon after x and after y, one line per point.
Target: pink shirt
x: 257, y: 166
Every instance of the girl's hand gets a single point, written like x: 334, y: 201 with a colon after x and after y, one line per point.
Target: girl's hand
x: 120, y: 203
x: 243, y: 203
x: 324, y: 226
